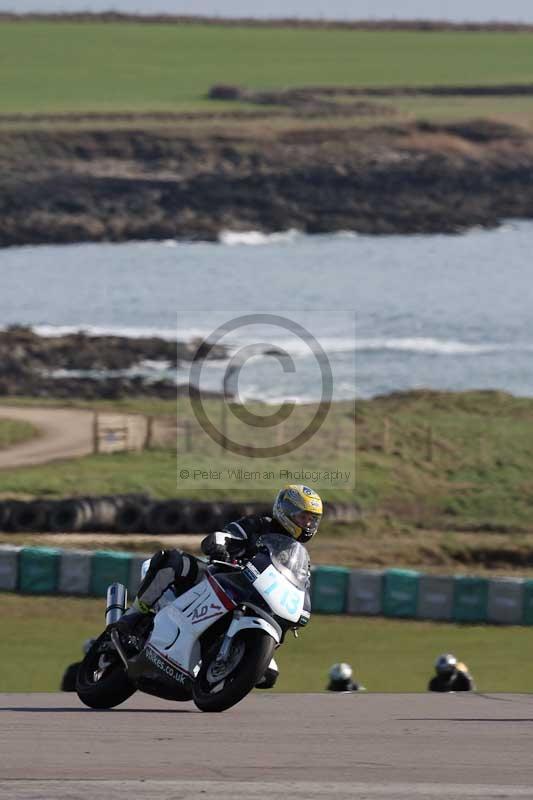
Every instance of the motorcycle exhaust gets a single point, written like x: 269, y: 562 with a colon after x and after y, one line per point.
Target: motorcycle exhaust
x: 117, y: 596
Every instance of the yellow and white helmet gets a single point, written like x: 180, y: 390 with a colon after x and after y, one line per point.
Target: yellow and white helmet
x: 298, y: 509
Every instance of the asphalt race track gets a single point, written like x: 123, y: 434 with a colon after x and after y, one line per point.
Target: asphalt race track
x: 371, y: 746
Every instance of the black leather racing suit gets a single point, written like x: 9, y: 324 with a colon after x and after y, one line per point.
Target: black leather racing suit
x: 173, y: 568
x: 343, y: 685
x: 457, y: 681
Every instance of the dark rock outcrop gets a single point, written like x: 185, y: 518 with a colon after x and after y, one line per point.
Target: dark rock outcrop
x: 23, y: 349
x: 73, y: 186
x: 29, y: 364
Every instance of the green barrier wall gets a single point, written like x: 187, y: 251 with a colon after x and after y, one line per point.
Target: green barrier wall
x: 527, y: 608
x: 108, y: 567
x: 505, y: 602
x: 328, y: 589
x: 45, y: 570
x: 38, y: 570
x: 400, y: 593
x: 470, y: 597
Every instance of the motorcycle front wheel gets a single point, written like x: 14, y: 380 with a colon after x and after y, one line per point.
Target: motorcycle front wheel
x: 219, y: 686
x: 102, y: 681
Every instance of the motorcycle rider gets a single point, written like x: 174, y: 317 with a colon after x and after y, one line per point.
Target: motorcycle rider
x: 341, y: 679
x: 296, y: 512
x: 451, y: 676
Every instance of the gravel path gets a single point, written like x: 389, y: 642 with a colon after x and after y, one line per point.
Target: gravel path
x: 64, y: 433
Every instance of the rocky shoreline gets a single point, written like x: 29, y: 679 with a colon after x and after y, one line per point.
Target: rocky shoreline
x: 64, y: 186
x: 29, y: 364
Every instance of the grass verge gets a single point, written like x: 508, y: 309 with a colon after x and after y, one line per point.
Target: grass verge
x: 42, y: 635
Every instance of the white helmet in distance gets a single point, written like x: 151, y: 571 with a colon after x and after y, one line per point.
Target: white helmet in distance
x: 340, y: 672
x: 445, y: 664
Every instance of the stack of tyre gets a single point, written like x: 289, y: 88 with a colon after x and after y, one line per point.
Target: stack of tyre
x: 132, y: 513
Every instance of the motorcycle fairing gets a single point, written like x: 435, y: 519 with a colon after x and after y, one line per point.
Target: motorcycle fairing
x: 178, y: 627
x: 154, y: 674
x: 284, y: 599
x: 255, y: 623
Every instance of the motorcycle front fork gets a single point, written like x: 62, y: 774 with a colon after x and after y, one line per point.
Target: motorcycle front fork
x: 227, y: 640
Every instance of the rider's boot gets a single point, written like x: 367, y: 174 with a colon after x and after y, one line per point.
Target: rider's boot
x: 127, y: 623
x: 169, y: 569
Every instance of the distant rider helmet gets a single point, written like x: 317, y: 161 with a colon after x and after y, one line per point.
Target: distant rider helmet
x: 445, y: 664
x: 340, y: 672
x: 298, y: 509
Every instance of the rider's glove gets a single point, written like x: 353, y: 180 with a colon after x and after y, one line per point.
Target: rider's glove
x: 218, y: 552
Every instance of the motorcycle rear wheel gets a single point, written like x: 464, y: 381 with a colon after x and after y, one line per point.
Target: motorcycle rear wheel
x: 257, y: 649
x: 102, y: 681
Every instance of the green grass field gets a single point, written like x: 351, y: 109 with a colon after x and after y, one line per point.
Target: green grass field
x: 61, y: 67
x: 42, y: 635
x: 154, y: 472
x: 443, y: 480
x: 447, y: 458
x: 511, y: 110
x: 135, y: 405
x: 200, y: 469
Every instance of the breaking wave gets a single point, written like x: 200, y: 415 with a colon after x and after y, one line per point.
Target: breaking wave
x: 429, y: 346
x: 169, y: 334
x: 255, y: 238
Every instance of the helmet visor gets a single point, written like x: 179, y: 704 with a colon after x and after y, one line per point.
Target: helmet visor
x: 307, y: 520
x: 446, y: 665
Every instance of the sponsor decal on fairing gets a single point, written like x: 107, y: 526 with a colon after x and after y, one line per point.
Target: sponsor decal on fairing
x: 163, y: 665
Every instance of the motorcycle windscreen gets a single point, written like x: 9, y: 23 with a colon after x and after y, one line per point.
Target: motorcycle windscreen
x: 287, y: 556
x: 284, y: 599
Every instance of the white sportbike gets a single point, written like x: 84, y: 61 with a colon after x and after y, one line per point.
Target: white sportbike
x: 211, y: 644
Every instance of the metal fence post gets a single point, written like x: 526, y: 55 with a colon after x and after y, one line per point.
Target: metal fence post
x: 95, y: 433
